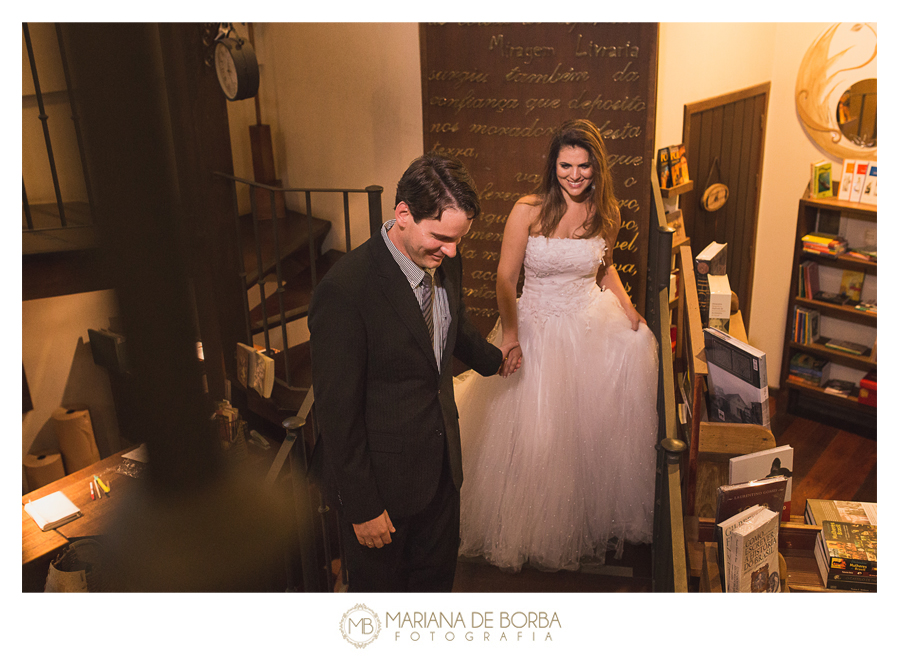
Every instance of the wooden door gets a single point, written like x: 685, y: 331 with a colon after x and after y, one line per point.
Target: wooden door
x: 731, y: 128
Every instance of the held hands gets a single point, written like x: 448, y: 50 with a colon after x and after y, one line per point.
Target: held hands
x: 512, y: 358
x: 375, y: 533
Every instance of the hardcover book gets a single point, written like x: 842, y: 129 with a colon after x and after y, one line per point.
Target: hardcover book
x: 725, y: 539
x: 756, y: 553
x: 734, y: 498
x: 678, y: 164
x: 851, y: 284
x: 859, y: 180
x: 847, y: 175
x: 846, y: 346
x: 848, y: 511
x: 662, y: 168
x: 762, y: 465
x: 738, y: 382
x: 870, y: 186
x: 712, y: 260
x: 851, y: 546
x: 821, y: 179
x: 838, y: 578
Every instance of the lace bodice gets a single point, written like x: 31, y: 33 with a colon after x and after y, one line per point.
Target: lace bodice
x: 560, y: 274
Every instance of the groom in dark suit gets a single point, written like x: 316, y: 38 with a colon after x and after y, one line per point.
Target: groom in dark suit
x: 384, y: 325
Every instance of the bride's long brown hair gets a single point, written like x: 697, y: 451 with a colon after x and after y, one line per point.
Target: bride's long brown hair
x: 603, y: 209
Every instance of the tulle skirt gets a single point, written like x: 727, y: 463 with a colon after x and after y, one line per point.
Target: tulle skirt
x: 559, y: 458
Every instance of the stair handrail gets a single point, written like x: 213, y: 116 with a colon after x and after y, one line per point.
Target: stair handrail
x: 375, y: 220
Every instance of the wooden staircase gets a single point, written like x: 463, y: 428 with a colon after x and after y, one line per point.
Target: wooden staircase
x: 294, y: 233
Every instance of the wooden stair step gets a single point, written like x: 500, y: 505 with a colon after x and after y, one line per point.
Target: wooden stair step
x: 293, y: 239
x: 297, y: 294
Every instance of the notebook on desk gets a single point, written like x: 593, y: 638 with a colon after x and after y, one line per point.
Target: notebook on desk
x: 52, y: 510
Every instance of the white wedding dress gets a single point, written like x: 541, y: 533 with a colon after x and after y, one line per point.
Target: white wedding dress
x: 559, y: 458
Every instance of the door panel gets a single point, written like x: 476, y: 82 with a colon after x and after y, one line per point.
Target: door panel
x: 732, y: 129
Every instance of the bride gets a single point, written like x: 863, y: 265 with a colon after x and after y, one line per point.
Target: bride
x: 559, y: 459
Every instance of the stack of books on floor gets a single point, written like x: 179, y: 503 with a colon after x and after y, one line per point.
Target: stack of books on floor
x: 809, y: 369
x: 824, y: 244
x: 747, y: 522
x: 846, y: 549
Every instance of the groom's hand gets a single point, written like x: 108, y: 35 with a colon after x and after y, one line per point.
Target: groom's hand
x: 512, y: 358
x: 375, y: 533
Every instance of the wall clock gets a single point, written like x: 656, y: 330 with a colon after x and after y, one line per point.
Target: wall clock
x: 236, y: 68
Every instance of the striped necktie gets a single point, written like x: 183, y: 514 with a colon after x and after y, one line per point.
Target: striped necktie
x: 428, y: 302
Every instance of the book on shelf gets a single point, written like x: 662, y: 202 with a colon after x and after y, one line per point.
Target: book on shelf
x: 808, y: 284
x: 838, y: 578
x: 678, y: 164
x: 806, y: 326
x: 868, y: 389
x: 848, y: 173
x: 675, y: 221
x: 738, y: 381
x: 820, y: 173
x: 711, y: 260
x: 869, y: 306
x: 755, y: 554
x: 846, y: 346
x: 719, y: 301
x: 851, y: 285
x: 765, y: 464
x: 734, y: 498
x: 725, y: 545
x: 850, y: 552
x: 848, y: 511
x: 868, y: 255
x: 859, y: 180
x: 809, y: 369
x: 870, y: 185
x: 824, y: 244
x: 663, y: 169
x: 840, y: 387
x: 52, y: 511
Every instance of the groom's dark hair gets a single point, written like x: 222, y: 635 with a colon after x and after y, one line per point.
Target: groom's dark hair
x: 432, y: 183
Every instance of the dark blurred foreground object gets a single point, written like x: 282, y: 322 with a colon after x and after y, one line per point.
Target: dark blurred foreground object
x: 145, y: 101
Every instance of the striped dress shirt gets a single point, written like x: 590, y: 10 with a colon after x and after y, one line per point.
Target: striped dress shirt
x: 415, y: 275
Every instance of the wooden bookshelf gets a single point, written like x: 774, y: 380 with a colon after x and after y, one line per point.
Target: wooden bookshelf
x: 814, y: 398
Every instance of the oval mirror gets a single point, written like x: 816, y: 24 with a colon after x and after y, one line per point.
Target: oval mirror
x: 836, y: 91
x: 856, y: 113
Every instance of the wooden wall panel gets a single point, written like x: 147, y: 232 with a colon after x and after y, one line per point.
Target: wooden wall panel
x: 732, y: 129
x: 492, y: 94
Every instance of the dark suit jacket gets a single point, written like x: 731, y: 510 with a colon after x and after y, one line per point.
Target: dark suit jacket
x: 387, y: 416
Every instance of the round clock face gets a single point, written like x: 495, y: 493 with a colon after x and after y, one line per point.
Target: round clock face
x: 226, y: 71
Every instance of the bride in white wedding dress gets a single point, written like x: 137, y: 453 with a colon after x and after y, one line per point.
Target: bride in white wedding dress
x: 559, y: 458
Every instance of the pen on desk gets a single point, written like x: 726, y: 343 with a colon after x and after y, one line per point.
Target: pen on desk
x: 99, y: 490
x: 92, y: 490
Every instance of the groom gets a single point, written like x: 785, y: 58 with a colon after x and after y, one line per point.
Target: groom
x: 384, y: 325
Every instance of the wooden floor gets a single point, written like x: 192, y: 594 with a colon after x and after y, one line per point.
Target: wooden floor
x: 829, y: 462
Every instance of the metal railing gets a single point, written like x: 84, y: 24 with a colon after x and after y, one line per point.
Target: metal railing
x: 373, y: 193
x: 669, y: 555
x: 48, y: 144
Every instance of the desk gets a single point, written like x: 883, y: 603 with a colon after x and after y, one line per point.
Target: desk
x: 39, y: 548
